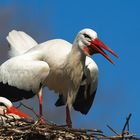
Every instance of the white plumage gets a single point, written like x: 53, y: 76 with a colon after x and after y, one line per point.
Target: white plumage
x: 58, y: 64
x: 19, y: 42
x: 24, y: 73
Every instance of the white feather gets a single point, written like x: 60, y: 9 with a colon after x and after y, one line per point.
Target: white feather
x: 24, y: 73
x: 5, y: 101
x: 19, y: 42
x: 91, y: 71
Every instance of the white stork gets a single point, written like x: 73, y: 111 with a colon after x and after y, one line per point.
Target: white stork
x: 61, y: 66
x: 9, y: 111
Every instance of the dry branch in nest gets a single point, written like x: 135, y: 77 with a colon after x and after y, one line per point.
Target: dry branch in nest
x: 23, y: 129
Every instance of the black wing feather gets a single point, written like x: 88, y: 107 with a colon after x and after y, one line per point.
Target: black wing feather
x: 60, y: 101
x: 14, y: 94
x: 82, y: 103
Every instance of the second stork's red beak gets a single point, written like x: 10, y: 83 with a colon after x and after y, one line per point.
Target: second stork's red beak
x: 17, y: 112
x: 99, y: 46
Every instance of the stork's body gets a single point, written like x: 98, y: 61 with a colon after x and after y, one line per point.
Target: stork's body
x: 57, y: 64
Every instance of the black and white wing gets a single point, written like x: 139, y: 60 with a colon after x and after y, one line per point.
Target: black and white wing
x: 87, y: 89
x: 21, y: 78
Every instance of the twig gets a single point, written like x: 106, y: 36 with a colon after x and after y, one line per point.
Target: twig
x: 119, y: 137
x: 21, y: 104
x: 126, y: 123
x: 112, y: 130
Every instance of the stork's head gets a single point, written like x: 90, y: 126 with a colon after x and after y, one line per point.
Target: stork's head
x: 5, y: 103
x: 88, y: 41
x: 7, y: 107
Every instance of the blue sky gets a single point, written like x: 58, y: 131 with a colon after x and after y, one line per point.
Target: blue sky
x: 117, y: 23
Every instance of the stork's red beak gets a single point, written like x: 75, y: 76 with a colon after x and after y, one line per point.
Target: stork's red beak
x: 99, y: 46
x: 17, y: 112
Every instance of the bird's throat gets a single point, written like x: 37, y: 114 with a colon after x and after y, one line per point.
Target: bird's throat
x: 75, y: 65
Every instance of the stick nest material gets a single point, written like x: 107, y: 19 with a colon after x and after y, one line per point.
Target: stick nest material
x: 23, y: 129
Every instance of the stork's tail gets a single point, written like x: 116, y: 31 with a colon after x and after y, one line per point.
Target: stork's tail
x: 19, y: 42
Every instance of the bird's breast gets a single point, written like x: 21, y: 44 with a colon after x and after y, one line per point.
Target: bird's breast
x: 57, y: 81
x: 65, y: 79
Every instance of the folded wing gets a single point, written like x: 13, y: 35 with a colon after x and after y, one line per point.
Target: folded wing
x: 21, y: 78
x: 87, y: 90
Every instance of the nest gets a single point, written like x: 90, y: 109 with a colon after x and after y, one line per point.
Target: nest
x: 23, y: 129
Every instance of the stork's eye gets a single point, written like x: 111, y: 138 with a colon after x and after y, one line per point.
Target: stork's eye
x: 87, y: 36
x: 2, y: 104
